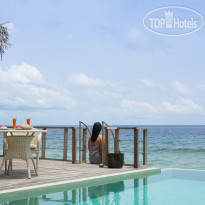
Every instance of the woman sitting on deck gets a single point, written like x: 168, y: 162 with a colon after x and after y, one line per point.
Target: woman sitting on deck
x: 95, y: 145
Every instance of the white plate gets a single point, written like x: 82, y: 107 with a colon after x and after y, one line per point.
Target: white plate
x: 4, y: 128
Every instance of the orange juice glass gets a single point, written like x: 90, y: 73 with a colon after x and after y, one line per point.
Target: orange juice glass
x: 14, y: 123
x: 28, y: 120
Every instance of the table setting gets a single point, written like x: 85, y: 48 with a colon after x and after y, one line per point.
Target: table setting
x: 17, y: 144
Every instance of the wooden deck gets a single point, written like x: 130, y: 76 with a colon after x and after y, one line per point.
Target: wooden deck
x: 52, y: 171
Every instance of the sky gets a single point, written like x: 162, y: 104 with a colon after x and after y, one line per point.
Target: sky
x: 94, y: 60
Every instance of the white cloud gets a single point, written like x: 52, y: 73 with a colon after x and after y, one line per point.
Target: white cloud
x: 185, y: 106
x: 103, y: 96
x: 148, y: 83
x: 137, y: 106
x: 83, y: 80
x: 180, y: 88
x: 182, y: 106
x: 21, y: 73
x: 23, y: 87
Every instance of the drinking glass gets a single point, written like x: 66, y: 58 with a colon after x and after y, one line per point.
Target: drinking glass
x: 14, y: 122
x: 28, y: 120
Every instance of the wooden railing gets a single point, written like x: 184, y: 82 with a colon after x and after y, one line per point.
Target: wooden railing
x: 65, y: 142
x: 106, y: 147
x: 136, y: 143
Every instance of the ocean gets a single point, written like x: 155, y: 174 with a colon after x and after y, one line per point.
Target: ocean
x: 168, y: 146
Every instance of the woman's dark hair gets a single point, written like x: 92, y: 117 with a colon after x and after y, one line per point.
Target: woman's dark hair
x: 96, y: 131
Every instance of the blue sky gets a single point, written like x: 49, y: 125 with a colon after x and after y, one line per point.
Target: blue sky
x: 94, y: 60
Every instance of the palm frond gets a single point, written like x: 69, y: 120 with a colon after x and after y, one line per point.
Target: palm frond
x: 4, y: 39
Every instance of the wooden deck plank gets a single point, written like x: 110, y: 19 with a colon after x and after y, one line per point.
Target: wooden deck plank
x: 52, y: 171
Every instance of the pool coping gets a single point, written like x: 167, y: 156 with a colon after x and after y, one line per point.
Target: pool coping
x: 182, y: 169
x: 151, y: 170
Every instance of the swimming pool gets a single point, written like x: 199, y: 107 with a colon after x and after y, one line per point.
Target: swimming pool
x: 170, y: 187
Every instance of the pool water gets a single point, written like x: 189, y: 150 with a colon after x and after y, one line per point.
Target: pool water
x: 171, y: 187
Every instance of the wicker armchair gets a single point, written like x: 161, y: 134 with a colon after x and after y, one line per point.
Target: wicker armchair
x: 5, y: 149
x: 34, y: 146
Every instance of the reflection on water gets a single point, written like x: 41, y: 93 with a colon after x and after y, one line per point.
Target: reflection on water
x: 100, y: 194
x: 28, y: 201
x: 140, y: 192
x: 113, y: 193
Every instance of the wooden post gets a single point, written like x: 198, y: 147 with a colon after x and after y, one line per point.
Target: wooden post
x: 116, y: 141
x: 84, y: 144
x: 106, y: 145
x: 43, y: 151
x: 144, y: 146
x: 136, y: 148
x: 103, y: 144
x: 65, y: 144
x: 74, y: 145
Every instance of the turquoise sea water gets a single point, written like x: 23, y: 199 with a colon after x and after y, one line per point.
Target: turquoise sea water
x: 171, y: 187
x: 168, y: 146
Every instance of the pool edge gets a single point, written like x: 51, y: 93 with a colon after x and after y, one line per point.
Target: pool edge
x: 150, y: 171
